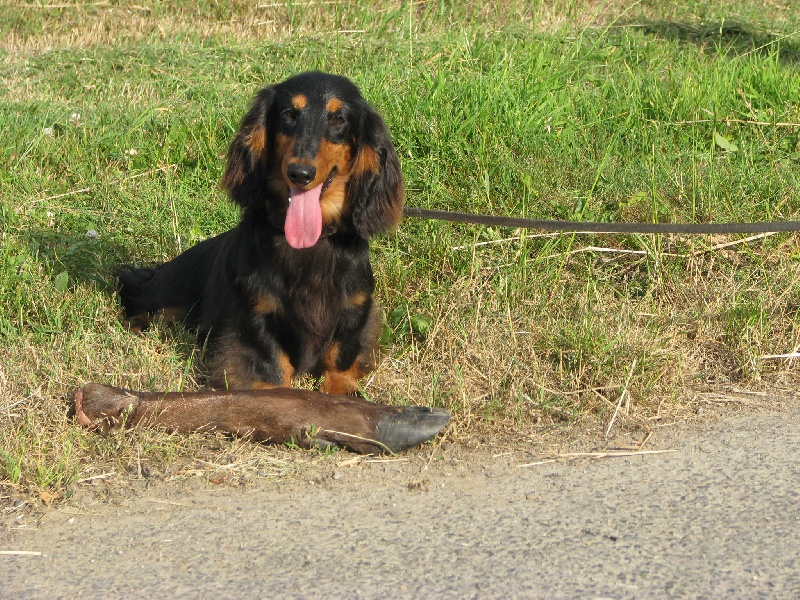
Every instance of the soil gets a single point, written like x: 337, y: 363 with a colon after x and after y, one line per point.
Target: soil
x: 712, y: 511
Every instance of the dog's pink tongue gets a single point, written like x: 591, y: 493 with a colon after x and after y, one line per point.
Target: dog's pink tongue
x: 304, y: 218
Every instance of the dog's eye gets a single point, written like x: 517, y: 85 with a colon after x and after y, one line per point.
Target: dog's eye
x: 290, y: 115
x: 336, y: 119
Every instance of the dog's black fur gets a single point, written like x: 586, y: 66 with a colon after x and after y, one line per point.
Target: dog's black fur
x: 270, y: 310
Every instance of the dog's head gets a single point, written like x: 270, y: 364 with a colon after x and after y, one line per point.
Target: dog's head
x: 316, y: 156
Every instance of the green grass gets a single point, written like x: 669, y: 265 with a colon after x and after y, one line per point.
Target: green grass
x: 116, y: 120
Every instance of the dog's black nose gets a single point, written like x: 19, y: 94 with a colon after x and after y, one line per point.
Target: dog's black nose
x: 301, y: 174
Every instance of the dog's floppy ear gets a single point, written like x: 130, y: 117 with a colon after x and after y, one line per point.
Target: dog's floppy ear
x: 375, y: 187
x: 245, y: 175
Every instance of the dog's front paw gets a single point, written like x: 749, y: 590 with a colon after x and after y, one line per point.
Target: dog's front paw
x: 340, y: 383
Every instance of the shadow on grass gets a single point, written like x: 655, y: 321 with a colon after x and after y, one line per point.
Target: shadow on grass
x: 85, y: 258
x: 92, y: 260
x: 728, y: 37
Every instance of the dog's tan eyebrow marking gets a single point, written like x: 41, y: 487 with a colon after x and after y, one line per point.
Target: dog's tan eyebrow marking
x: 333, y: 105
x: 299, y: 101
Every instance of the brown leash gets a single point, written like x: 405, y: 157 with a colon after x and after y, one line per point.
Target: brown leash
x: 596, y: 227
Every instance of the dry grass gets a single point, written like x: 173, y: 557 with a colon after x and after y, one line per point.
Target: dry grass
x: 86, y: 24
x: 494, y: 362
x: 43, y: 26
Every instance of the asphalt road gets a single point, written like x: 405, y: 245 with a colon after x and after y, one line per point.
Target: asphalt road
x: 720, y: 517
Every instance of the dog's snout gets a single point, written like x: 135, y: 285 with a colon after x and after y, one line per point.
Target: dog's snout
x: 300, y: 174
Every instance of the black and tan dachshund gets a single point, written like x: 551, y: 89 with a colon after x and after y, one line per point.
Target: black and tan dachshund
x: 288, y: 291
